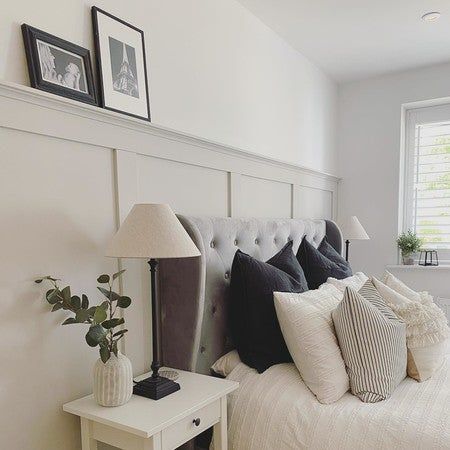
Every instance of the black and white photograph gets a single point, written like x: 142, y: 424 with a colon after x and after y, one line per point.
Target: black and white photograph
x: 121, y: 62
x: 58, y: 66
x: 123, y: 68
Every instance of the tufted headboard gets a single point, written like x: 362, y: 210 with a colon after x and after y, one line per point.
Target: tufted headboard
x: 194, y: 291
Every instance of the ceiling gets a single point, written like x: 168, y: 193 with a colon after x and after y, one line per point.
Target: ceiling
x: 355, y: 39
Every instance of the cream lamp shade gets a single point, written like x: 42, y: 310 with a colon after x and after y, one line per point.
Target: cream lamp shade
x: 151, y: 231
x: 353, y: 230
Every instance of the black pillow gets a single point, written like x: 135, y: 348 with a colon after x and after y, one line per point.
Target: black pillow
x: 327, y: 250
x: 254, y: 325
x: 318, y: 267
x: 286, y: 261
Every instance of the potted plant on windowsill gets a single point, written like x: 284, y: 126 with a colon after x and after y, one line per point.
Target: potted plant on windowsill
x: 409, y: 244
x: 113, y: 378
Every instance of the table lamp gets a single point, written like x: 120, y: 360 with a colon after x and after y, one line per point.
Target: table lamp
x: 152, y: 231
x: 352, y: 230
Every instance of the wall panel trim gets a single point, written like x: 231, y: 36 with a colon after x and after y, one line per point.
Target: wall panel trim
x: 27, y: 109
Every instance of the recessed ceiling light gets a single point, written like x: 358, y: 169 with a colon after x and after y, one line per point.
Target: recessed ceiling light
x: 431, y: 16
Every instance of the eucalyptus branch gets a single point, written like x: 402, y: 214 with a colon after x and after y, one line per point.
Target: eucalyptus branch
x: 100, y: 318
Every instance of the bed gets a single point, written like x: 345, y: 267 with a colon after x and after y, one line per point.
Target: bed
x: 275, y: 410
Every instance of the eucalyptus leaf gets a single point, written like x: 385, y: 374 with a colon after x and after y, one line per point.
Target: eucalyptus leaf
x: 111, y: 295
x: 117, y: 274
x: 103, y: 279
x: 69, y: 321
x: 120, y: 333
x: 124, y: 302
x: 48, y: 277
x: 84, y: 301
x: 111, y: 323
x: 91, y: 311
x: 52, y: 296
x: 104, y: 305
x: 82, y: 315
x: 95, y: 335
x: 99, y: 315
x: 57, y: 306
x: 104, y: 354
x: 66, y: 293
x: 75, y: 302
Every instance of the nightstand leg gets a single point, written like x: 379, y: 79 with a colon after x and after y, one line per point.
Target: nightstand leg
x: 154, y: 443
x: 220, y: 428
x: 87, y: 442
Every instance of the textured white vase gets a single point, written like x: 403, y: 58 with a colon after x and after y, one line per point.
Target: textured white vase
x: 113, y: 381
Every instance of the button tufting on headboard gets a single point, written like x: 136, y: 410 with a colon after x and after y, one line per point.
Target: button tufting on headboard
x: 194, y: 291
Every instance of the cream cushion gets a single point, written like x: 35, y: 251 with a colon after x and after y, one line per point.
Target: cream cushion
x: 400, y: 287
x: 307, y: 326
x: 426, y: 326
x: 226, y: 363
x: 356, y: 282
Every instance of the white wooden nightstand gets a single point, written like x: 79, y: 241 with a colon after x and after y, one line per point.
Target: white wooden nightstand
x: 144, y: 424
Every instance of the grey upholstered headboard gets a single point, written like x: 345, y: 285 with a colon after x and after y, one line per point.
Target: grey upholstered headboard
x: 194, y: 291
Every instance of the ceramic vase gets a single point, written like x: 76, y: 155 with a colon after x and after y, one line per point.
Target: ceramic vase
x: 408, y: 260
x: 113, y: 381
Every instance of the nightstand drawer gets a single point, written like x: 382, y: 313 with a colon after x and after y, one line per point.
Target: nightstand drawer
x: 190, y: 426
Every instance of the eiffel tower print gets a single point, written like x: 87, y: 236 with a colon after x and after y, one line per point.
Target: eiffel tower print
x: 125, y: 80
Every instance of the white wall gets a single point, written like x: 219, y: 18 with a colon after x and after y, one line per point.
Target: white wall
x: 67, y: 172
x: 215, y: 71
x: 369, y: 145
x: 57, y: 216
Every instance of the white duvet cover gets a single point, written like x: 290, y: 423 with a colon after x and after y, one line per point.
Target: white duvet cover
x: 275, y: 410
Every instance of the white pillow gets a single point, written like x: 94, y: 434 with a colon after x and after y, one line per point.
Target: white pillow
x: 307, y: 326
x: 356, y: 282
x: 426, y: 328
x: 226, y: 363
x: 400, y: 287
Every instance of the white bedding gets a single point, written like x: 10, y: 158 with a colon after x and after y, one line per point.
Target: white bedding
x: 275, y: 410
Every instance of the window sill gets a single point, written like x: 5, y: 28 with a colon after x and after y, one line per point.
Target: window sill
x: 443, y: 266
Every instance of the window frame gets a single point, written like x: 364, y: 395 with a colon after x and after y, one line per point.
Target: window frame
x: 413, y: 116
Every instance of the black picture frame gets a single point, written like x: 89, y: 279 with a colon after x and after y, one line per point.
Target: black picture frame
x: 31, y: 36
x: 95, y: 11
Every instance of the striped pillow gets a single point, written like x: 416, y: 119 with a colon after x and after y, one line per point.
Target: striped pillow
x: 373, y: 343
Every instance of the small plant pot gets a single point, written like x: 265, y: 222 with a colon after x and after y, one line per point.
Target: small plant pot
x: 408, y: 260
x: 113, y: 381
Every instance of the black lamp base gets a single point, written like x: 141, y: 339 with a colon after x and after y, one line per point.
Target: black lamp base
x: 155, y: 387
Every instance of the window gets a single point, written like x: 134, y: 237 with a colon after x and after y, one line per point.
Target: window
x: 427, y: 177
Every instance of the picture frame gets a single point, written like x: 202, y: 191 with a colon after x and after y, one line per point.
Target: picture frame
x: 58, y: 66
x: 122, y: 65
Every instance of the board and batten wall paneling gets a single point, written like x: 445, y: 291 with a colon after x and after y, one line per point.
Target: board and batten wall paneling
x: 313, y: 202
x: 264, y: 198
x: 189, y: 189
x: 57, y: 208
x: 70, y: 174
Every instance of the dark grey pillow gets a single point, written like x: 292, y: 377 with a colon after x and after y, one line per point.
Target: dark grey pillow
x: 286, y: 261
x: 318, y: 267
x: 254, y: 325
x: 328, y: 251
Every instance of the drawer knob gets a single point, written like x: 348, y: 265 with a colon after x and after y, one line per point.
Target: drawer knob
x: 196, y: 421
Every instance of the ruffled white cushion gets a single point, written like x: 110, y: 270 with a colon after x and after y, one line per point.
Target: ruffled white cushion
x: 426, y: 326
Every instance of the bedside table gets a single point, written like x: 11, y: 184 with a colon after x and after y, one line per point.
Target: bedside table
x: 144, y: 424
